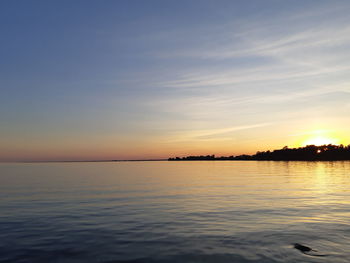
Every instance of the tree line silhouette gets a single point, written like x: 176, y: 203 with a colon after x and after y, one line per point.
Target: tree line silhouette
x: 308, y: 153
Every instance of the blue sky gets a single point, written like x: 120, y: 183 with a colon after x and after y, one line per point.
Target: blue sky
x: 149, y: 79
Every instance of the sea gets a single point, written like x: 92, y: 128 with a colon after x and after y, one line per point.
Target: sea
x: 180, y: 211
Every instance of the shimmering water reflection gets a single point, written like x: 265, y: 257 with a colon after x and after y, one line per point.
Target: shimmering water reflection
x: 218, y: 211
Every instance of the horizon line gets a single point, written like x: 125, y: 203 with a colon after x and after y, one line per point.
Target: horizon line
x: 85, y: 161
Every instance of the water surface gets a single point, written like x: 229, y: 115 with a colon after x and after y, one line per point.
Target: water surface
x: 215, y: 211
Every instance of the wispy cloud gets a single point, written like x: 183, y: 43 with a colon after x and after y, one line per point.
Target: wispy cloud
x: 292, y: 49
x: 214, y: 134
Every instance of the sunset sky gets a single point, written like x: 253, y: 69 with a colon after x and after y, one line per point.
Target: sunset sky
x: 82, y: 80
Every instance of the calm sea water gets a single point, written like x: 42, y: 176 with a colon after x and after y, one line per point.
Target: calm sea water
x: 174, y: 211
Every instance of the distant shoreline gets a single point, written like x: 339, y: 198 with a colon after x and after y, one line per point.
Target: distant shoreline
x: 308, y: 153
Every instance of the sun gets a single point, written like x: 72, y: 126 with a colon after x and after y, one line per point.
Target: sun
x: 320, y: 140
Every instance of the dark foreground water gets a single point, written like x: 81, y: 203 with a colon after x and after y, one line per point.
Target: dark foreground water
x: 174, y: 211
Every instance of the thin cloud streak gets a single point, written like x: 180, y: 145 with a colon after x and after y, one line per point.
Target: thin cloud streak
x: 213, y: 134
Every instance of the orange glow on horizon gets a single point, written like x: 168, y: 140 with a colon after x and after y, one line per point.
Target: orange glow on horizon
x: 321, y: 137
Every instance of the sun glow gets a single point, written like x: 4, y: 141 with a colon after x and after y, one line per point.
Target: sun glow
x: 320, y: 140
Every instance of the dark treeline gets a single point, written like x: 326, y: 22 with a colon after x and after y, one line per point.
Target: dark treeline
x: 307, y: 153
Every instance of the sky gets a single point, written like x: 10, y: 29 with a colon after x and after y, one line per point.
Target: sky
x: 99, y: 80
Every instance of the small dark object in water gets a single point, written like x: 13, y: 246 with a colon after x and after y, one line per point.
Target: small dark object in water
x: 307, y: 250
x: 303, y: 248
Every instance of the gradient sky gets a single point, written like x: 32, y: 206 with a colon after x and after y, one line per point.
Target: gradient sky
x: 153, y: 79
